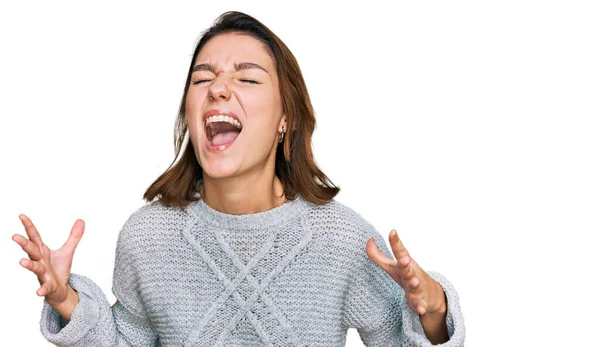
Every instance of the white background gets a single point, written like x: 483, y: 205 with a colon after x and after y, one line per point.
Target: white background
x: 472, y: 127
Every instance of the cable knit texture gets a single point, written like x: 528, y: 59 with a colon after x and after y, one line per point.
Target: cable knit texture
x: 295, y: 275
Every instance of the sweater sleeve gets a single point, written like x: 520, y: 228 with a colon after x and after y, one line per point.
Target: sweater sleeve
x: 376, y: 305
x: 93, y: 321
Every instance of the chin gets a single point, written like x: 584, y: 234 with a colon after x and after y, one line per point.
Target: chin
x: 220, y: 169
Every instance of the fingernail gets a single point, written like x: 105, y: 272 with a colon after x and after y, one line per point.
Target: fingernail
x: 394, y: 232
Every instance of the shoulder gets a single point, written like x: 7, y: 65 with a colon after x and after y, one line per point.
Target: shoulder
x: 157, y: 214
x: 337, y: 216
x: 337, y: 222
x: 149, y: 222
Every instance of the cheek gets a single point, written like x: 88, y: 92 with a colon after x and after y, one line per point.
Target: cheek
x: 193, y: 110
x: 260, y: 104
x: 194, y: 101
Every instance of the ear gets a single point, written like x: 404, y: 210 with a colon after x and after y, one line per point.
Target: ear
x: 283, y: 124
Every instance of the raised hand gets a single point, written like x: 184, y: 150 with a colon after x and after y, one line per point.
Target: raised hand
x: 52, y: 267
x: 423, y: 293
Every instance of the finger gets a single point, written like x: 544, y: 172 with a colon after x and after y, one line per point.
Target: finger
x: 29, y: 247
x: 417, y: 304
x: 74, y: 236
x: 31, y: 230
x: 397, y: 246
x: 34, y: 266
x: 422, y: 307
x: 413, y: 285
x: 405, y: 268
x: 44, y: 289
x: 379, y: 258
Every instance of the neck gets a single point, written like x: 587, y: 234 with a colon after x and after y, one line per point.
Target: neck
x: 251, y: 193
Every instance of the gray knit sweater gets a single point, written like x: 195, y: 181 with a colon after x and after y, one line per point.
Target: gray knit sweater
x: 295, y: 275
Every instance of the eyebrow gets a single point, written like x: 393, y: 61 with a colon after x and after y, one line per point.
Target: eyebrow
x: 237, y: 66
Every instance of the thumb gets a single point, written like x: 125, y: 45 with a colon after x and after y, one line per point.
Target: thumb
x: 75, y: 236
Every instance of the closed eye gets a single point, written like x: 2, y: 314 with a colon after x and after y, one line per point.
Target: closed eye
x: 200, y: 81
x: 249, y: 81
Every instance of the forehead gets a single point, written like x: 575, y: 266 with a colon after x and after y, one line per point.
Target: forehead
x: 226, y: 49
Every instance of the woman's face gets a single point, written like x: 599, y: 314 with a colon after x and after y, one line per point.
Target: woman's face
x: 233, y: 106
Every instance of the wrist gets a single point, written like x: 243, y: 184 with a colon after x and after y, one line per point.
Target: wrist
x: 434, y: 321
x: 66, y: 307
x: 440, y: 304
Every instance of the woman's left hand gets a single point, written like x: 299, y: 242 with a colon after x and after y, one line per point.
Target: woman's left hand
x: 423, y: 294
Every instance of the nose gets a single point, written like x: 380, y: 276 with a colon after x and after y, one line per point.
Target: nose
x: 219, y: 88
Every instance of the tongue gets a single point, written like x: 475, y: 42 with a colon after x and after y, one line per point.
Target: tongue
x: 221, y: 139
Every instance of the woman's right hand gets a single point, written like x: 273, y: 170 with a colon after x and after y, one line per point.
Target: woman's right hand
x: 52, y: 267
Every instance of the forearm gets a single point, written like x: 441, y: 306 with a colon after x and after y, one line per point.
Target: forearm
x: 65, y: 308
x: 434, y: 323
x: 434, y: 326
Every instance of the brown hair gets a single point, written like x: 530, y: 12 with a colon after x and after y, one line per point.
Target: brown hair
x: 299, y: 174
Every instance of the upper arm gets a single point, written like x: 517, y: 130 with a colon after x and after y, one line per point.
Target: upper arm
x: 127, y: 272
x: 374, y: 300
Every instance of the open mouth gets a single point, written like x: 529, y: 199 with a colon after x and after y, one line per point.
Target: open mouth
x: 222, y: 130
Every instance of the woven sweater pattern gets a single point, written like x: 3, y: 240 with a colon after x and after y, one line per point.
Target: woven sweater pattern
x: 295, y: 275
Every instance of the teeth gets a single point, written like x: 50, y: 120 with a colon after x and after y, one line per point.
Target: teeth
x: 223, y: 118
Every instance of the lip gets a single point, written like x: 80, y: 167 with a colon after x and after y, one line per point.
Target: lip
x: 211, y: 113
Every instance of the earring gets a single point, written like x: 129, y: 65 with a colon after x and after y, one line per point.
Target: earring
x: 281, y: 135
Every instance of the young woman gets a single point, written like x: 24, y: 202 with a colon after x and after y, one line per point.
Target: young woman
x: 242, y: 242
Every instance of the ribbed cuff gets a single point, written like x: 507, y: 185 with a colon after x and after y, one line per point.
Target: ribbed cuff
x: 411, y: 320
x: 83, y: 318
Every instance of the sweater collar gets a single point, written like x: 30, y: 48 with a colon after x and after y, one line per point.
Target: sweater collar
x: 278, y: 215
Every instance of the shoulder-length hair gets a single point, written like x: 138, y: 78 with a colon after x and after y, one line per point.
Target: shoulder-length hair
x: 294, y: 162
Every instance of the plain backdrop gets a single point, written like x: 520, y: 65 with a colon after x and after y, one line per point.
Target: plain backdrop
x: 471, y: 127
